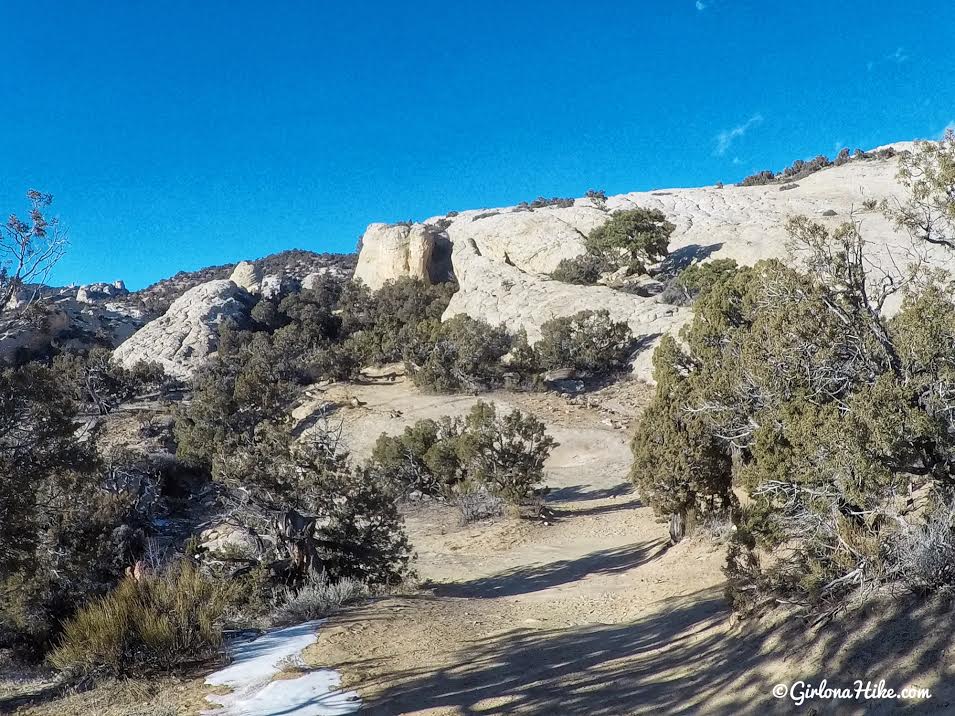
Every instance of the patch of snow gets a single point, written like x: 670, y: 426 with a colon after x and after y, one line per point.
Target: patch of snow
x: 254, y: 693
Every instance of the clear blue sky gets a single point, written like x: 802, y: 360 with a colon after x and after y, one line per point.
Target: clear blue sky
x: 176, y: 135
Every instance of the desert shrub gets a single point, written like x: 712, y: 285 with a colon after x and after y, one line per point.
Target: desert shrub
x: 678, y: 465
x: 157, y: 623
x: 928, y: 175
x: 248, y: 382
x: 316, y: 598
x: 683, y: 288
x: 598, y: 196
x: 504, y: 453
x: 842, y: 157
x: 479, y: 504
x: 333, y: 517
x: 793, y: 387
x: 800, y: 169
x: 582, y: 270
x: 100, y: 385
x: 423, y: 458
x: 758, y: 179
x: 462, y: 353
x: 379, y: 324
x: 542, y: 202
x: 634, y: 238
x: 63, y: 535
x: 870, y: 204
x: 501, y: 454
x: 787, y: 187
x: 588, y: 341
x: 925, y: 554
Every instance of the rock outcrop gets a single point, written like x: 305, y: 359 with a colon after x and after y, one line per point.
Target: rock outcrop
x: 390, y: 251
x: 96, y: 292
x: 502, y: 257
x: 184, y: 337
x: 247, y: 275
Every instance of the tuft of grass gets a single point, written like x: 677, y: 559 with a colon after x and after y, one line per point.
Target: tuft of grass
x: 156, y: 624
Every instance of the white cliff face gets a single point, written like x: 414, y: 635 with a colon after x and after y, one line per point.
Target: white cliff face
x: 502, y: 257
x: 390, y: 251
x: 183, y: 339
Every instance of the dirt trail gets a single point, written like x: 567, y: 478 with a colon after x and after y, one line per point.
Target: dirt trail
x: 595, y: 614
x: 521, y: 617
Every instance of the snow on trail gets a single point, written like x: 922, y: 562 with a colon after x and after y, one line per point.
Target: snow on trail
x: 255, y: 663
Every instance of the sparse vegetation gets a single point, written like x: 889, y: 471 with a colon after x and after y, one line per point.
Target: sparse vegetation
x: 584, y: 270
x: 633, y: 240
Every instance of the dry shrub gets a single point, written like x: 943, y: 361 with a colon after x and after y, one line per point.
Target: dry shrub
x: 154, y: 624
x: 926, y: 553
x: 476, y: 505
x: 317, y: 598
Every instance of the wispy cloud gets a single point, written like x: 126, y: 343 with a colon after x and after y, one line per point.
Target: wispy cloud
x: 700, y: 5
x: 899, y: 56
x: 725, y: 139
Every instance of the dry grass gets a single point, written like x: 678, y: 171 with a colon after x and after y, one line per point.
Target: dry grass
x: 131, y: 697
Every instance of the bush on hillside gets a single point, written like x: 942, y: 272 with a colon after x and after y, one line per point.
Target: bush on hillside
x: 99, y: 385
x: 687, y: 285
x: 583, y: 270
x: 381, y: 323
x: 635, y: 238
x: 462, y: 353
x: 589, y: 342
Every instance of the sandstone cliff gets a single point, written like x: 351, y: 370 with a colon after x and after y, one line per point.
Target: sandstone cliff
x: 502, y: 257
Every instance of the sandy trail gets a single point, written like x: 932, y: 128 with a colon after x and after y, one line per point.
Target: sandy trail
x: 595, y: 614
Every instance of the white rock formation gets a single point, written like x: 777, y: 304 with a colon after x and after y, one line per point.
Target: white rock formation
x: 390, y: 251
x: 501, y: 257
x: 94, y: 292
x: 183, y: 339
x: 247, y: 275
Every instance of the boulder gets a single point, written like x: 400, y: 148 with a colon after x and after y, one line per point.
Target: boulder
x: 392, y: 251
x: 183, y: 339
x: 247, y: 275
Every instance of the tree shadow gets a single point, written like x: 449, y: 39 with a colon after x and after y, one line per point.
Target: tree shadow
x: 524, y: 580
x: 578, y: 493
x: 686, y: 659
x: 651, y: 665
x: 686, y: 256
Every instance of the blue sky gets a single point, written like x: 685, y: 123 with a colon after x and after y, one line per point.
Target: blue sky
x: 175, y: 135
